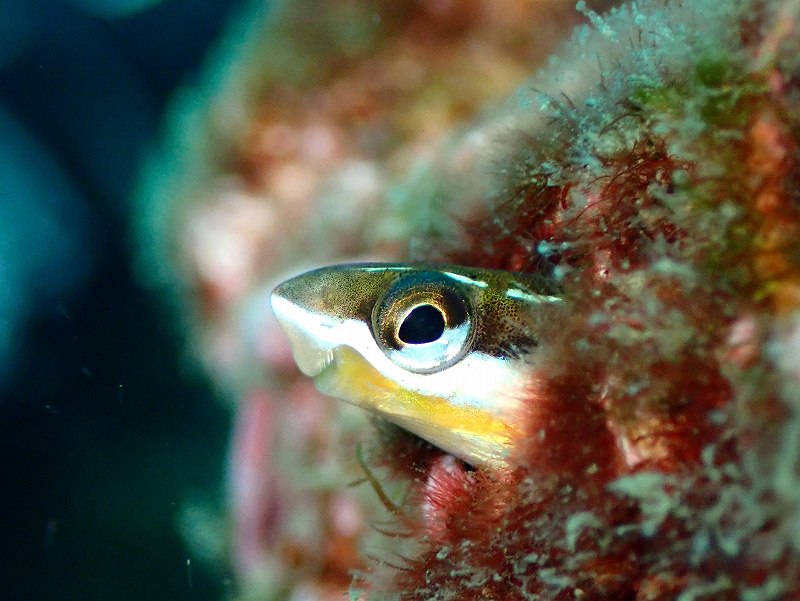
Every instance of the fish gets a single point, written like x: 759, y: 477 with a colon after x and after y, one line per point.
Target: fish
x: 446, y: 352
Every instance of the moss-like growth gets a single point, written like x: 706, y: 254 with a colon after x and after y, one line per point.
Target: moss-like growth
x: 658, y: 187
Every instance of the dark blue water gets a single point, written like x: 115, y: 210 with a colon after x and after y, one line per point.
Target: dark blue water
x: 103, y: 435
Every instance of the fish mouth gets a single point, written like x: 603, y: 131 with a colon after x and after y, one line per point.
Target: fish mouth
x: 311, y: 352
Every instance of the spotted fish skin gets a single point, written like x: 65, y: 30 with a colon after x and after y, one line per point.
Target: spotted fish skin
x: 444, y: 351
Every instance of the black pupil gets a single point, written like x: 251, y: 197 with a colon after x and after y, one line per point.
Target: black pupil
x: 424, y: 324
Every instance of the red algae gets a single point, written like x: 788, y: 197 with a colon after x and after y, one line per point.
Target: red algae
x: 287, y: 157
x: 649, y: 173
x: 662, y: 200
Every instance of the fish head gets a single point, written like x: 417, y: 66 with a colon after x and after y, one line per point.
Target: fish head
x: 442, y: 351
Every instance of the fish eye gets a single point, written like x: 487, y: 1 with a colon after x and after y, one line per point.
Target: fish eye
x: 424, y: 323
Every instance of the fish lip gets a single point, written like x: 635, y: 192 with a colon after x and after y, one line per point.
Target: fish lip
x: 310, y: 353
x: 315, y: 366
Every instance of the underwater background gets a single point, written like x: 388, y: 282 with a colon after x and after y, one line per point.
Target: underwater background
x: 103, y: 434
x: 166, y: 164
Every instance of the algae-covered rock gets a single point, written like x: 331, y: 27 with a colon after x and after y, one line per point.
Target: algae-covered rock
x: 650, y: 171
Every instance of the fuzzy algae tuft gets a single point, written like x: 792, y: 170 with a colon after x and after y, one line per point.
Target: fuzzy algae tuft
x: 652, y: 171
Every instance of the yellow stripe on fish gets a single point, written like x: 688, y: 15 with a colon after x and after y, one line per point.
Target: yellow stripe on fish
x: 445, y: 352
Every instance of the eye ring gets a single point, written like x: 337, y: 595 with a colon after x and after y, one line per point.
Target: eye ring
x: 424, y: 323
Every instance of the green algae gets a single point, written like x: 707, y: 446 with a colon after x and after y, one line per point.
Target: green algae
x: 697, y: 106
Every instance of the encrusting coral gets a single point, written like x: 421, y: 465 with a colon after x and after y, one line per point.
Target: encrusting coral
x: 650, y: 171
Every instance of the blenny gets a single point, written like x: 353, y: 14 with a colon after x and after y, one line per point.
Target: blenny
x: 443, y: 351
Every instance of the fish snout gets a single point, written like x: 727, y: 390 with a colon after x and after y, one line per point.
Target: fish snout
x: 308, y: 332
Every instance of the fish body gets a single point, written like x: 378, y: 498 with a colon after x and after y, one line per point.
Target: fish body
x: 444, y: 351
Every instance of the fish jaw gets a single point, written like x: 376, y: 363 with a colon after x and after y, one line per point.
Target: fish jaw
x: 310, y: 335
x: 475, y: 434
